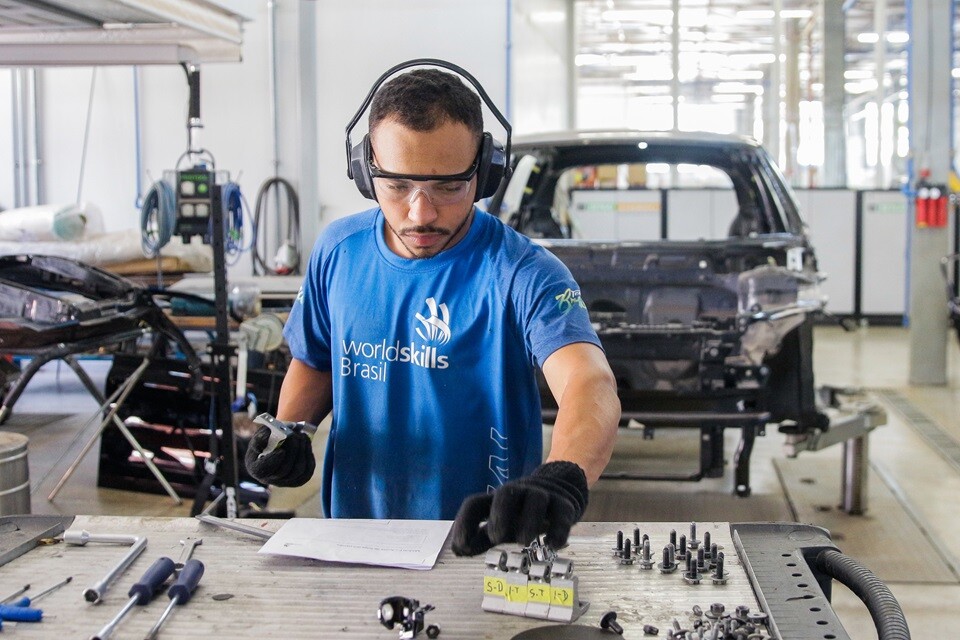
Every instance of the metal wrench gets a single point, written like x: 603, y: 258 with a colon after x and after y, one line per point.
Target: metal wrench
x: 189, y: 545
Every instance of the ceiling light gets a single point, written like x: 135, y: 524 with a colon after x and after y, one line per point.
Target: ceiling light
x: 868, y: 37
x: 769, y: 14
x: 548, y: 17
x: 858, y: 74
x: 898, y: 37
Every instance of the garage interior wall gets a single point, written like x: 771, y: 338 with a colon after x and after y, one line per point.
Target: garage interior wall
x: 352, y: 45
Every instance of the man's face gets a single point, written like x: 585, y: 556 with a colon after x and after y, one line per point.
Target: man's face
x: 424, y: 217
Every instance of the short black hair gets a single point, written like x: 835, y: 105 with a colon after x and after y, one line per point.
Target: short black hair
x: 423, y: 99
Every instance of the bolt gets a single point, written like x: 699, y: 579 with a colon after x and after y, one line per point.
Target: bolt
x: 646, y: 562
x: 626, y: 557
x: 693, y: 542
x: 701, y: 559
x: 706, y: 540
x: 719, y: 577
x: 609, y: 623
x: 741, y: 611
x: 713, y: 554
x: 636, y: 538
x: 668, y: 565
x: 673, y: 538
x: 618, y: 550
x: 697, y: 611
x: 682, y: 549
x: 692, y: 575
x: 650, y: 630
x: 716, y: 610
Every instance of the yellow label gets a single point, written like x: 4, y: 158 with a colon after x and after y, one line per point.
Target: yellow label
x: 494, y: 586
x: 538, y: 593
x: 516, y: 593
x: 562, y: 597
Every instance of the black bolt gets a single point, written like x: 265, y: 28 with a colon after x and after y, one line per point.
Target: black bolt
x: 719, y: 577
x: 668, y: 565
x: 650, y: 630
x: 618, y: 550
x: 716, y: 609
x: 626, y: 558
x: 697, y: 611
x: 609, y: 623
x: 701, y: 559
x: 706, y: 539
x: 636, y: 538
x: 693, y: 542
x: 433, y: 631
x: 742, y: 611
x: 682, y: 551
x: 673, y: 538
x: 713, y: 552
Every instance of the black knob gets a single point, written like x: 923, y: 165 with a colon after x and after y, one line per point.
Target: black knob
x: 609, y: 623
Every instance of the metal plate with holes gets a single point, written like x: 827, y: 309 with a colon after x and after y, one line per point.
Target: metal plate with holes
x: 774, y: 557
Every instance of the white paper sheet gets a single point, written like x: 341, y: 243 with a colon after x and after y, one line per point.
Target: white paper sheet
x: 407, y: 544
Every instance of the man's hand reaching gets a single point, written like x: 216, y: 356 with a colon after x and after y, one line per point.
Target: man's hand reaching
x: 550, y: 500
x: 290, y: 465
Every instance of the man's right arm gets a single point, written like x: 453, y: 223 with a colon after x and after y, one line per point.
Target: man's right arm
x: 306, y: 394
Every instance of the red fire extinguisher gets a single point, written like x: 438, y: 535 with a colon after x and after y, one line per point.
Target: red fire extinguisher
x: 922, y: 201
x: 931, y: 203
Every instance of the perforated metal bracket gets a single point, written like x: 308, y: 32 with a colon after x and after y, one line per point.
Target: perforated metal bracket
x: 777, y: 558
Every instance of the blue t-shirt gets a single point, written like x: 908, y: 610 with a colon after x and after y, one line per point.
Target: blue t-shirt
x: 433, y: 362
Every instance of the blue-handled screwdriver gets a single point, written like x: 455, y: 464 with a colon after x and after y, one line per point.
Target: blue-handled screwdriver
x: 140, y: 593
x: 20, y: 614
x: 179, y: 592
x: 25, y: 601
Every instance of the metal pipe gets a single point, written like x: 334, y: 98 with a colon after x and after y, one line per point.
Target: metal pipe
x: 854, y: 478
x: 235, y: 526
x: 35, y: 97
x: 18, y: 122
x: 81, y: 537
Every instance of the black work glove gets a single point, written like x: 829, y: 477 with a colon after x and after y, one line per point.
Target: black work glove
x: 289, y: 465
x: 550, y: 500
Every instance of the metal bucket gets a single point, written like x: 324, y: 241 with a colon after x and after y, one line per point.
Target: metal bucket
x: 14, y: 474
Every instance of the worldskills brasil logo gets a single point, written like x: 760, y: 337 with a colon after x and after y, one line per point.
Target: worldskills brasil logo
x: 369, y: 360
x: 436, y: 328
x: 569, y: 300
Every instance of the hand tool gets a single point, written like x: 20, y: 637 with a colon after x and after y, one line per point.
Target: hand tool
x: 25, y: 601
x: 280, y: 431
x: 179, y: 592
x: 81, y: 537
x: 19, y: 614
x: 236, y: 526
x: 13, y: 595
x: 140, y: 593
x: 189, y: 545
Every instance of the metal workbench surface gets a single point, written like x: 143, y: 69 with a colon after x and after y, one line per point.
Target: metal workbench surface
x: 247, y: 595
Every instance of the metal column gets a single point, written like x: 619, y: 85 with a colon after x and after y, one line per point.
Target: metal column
x: 931, y: 25
x: 834, y: 140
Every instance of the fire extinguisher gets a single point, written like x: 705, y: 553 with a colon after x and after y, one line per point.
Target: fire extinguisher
x: 922, y: 200
x: 931, y: 203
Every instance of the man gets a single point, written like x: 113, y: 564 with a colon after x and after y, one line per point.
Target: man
x: 420, y: 324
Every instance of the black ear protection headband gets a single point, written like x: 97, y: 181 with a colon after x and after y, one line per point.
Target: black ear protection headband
x: 494, y: 158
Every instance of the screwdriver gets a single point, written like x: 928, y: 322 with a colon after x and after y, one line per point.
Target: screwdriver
x: 140, y: 593
x: 179, y: 592
x: 25, y: 601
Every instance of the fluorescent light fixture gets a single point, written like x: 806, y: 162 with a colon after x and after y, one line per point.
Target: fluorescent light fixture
x: 769, y: 14
x: 548, y: 17
x: 898, y: 37
x: 737, y: 87
x: 868, y: 37
x: 660, y: 16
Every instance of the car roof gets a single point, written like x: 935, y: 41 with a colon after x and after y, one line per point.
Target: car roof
x: 574, y: 138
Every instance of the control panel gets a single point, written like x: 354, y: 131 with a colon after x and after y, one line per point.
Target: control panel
x: 197, y: 194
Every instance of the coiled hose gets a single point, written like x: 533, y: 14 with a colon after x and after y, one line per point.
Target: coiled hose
x: 883, y: 607
x: 158, y: 217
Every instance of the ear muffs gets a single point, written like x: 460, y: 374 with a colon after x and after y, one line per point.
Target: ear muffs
x: 493, y: 166
x: 360, y: 168
x: 494, y: 157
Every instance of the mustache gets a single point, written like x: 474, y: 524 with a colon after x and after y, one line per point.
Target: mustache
x: 424, y: 229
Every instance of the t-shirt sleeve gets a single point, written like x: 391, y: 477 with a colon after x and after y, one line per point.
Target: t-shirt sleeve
x: 308, y: 326
x: 548, y: 305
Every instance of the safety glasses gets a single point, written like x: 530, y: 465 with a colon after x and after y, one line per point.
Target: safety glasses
x: 440, y: 190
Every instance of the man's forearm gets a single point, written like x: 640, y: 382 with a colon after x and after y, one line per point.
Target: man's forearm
x: 306, y: 394
x: 586, y: 425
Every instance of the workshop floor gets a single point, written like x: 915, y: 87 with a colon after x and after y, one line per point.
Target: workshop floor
x: 908, y: 536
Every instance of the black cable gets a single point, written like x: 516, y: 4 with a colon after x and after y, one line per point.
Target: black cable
x: 259, y: 250
x: 883, y: 606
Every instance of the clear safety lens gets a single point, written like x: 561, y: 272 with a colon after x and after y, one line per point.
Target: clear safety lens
x: 438, y: 192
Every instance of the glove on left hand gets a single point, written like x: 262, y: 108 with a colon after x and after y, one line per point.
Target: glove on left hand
x: 550, y: 500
